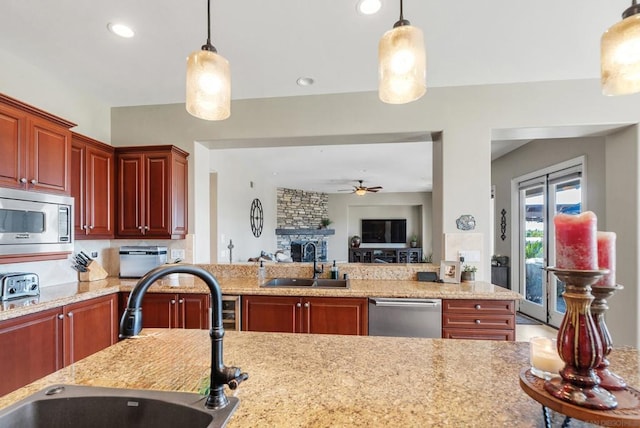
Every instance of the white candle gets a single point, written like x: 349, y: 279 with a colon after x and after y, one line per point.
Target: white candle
x: 545, y: 361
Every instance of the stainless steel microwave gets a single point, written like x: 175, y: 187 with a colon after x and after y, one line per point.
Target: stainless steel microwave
x: 33, y: 222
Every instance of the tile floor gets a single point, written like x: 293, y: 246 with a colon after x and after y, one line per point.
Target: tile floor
x: 524, y: 332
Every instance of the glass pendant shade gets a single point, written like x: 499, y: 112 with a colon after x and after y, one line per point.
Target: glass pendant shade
x: 208, y: 86
x: 402, y: 63
x: 620, y: 57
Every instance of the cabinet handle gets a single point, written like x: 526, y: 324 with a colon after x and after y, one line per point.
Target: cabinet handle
x: 306, y: 304
x: 181, y: 301
x: 477, y: 321
x: 298, y: 305
x: 478, y: 307
x: 34, y: 181
x: 146, y: 228
x: 173, y: 301
x: 139, y: 227
x: 91, y: 227
x: 23, y: 180
x: 70, y: 314
x: 60, y: 316
x: 84, y: 226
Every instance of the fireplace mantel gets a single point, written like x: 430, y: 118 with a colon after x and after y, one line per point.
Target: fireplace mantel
x: 324, y: 232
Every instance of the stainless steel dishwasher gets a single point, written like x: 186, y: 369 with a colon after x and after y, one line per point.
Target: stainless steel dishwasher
x: 405, y: 317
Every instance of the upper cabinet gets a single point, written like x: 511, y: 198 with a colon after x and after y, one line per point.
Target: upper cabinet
x: 151, y: 192
x: 36, y: 148
x: 92, y: 186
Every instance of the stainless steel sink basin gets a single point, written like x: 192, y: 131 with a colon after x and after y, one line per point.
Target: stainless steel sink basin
x: 307, y: 283
x: 72, y: 406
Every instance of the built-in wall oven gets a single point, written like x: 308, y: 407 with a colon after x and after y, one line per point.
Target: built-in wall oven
x: 405, y: 317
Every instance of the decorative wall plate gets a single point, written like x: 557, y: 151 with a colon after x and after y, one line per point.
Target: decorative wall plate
x: 466, y: 222
x: 257, y: 217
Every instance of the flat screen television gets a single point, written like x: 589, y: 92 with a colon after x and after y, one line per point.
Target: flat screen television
x: 384, y: 231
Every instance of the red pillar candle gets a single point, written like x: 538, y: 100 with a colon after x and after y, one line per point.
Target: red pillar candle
x: 576, y: 242
x: 607, y: 257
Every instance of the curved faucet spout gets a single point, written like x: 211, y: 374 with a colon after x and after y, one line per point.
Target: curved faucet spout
x: 131, y: 324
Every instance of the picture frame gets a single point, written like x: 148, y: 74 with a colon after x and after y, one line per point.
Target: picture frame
x: 450, y: 271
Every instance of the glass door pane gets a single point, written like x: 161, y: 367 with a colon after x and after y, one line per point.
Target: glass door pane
x: 532, y: 250
x: 565, y: 196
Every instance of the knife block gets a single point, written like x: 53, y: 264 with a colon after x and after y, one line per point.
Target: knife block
x: 94, y: 272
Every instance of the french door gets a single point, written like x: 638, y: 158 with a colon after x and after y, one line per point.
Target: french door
x: 540, y: 199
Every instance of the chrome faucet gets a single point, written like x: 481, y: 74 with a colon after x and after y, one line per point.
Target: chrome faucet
x: 131, y: 324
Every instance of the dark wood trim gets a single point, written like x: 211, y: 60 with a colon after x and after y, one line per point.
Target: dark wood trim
x: 19, y: 258
x: 5, y: 99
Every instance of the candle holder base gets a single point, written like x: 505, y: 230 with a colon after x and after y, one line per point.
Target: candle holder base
x: 592, y: 397
x: 610, y: 381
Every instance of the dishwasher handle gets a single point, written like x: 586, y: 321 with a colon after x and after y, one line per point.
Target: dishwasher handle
x: 406, y: 303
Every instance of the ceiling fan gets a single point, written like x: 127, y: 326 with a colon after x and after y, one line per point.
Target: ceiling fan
x: 361, y: 190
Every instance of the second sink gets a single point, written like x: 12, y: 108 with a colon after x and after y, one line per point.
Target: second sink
x: 307, y: 283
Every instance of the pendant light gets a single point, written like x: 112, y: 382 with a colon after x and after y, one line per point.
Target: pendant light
x: 402, y: 63
x: 620, y: 55
x: 208, y: 81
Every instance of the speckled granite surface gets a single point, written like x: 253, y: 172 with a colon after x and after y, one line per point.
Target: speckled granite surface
x: 387, y: 281
x: 299, y: 380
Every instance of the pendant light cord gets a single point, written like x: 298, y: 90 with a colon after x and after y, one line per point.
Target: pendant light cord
x: 208, y: 46
x: 403, y: 21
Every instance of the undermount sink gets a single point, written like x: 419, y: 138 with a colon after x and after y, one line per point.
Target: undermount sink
x: 73, y: 406
x: 307, y: 283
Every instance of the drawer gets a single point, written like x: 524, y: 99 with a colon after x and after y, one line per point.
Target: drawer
x: 463, y: 333
x: 478, y: 321
x: 479, y: 306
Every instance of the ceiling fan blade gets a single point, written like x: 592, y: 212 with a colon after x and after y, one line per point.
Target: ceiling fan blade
x: 346, y: 190
x: 375, y: 188
x: 372, y: 190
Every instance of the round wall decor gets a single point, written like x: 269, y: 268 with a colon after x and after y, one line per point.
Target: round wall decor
x: 257, y: 217
x: 466, y: 222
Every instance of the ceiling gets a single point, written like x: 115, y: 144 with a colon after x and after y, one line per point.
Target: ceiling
x: 270, y: 44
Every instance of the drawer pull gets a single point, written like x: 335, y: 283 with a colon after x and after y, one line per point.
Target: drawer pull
x: 477, y: 321
x: 478, y: 307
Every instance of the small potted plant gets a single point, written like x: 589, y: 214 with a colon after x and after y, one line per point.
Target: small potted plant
x: 468, y: 273
x: 414, y: 241
x: 325, y: 222
x: 355, y: 241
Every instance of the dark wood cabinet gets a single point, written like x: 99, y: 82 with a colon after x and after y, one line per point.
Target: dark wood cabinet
x: 90, y: 326
x: 35, y: 345
x: 36, y: 148
x: 169, y: 310
x: 152, y: 192
x: 385, y: 255
x: 30, y: 348
x: 319, y: 315
x: 92, y: 186
x: 478, y: 319
x: 500, y: 276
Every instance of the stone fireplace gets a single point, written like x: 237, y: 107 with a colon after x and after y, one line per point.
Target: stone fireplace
x: 298, y: 224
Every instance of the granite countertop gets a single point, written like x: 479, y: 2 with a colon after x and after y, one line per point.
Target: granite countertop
x: 298, y: 380
x: 242, y: 280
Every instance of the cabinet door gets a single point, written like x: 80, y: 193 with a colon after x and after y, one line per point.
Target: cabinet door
x: 272, y: 314
x: 90, y: 326
x: 160, y: 310
x: 334, y: 315
x: 157, y: 190
x: 193, y: 311
x: 78, y: 175
x: 99, y: 193
x: 30, y: 348
x: 48, y: 157
x: 130, y: 194
x: 179, y: 196
x: 12, y: 146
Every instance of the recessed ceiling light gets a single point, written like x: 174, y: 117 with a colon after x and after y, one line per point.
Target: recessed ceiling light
x: 121, y: 30
x: 368, y: 7
x: 305, y: 81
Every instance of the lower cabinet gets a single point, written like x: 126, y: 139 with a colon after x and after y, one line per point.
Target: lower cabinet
x: 478, y: 319
x: 319, y: 315
x: 173, y: 310
x: 35, y: 345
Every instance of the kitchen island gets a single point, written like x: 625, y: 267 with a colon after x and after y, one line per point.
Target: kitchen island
x: 323, y: 380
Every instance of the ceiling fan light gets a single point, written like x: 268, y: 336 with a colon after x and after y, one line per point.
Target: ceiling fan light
x: 402, y: 65
x: 361, y: 192
x: 620, y: 57
x: 208, y: 86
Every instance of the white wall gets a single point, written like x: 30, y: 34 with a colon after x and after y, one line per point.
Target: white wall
x: 464, y: 117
